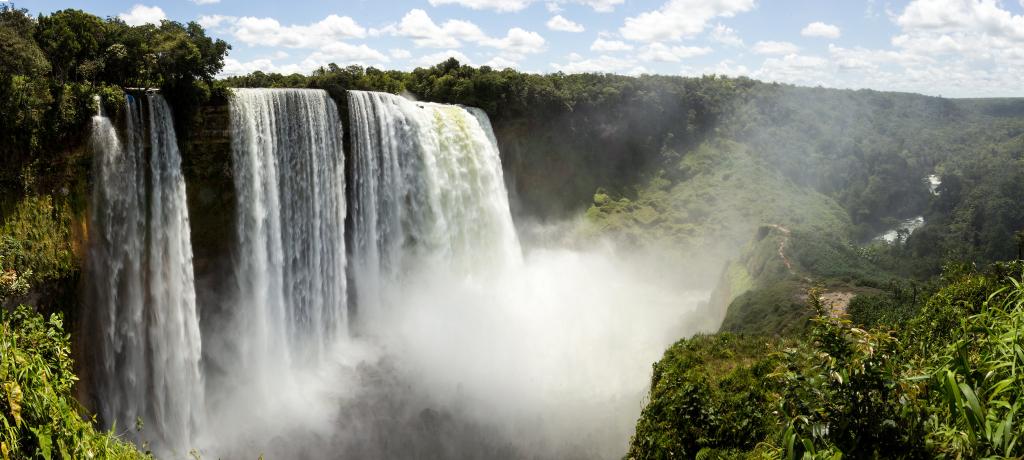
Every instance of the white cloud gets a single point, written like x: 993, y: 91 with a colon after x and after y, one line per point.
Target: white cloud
x: 678, y: 19
x: 664, y: 53
x: 980, y: 16
x: 436, y: 58
x: 417, y: 25
x: 726, y: 36
x: 214, y: 21
x: 553, y: 6
x: 610, y: 45
x: 727, y: 67
x: 343, y: 53
x: 398, y: 53
x: 270, y: 33
x: 501, y: 63
x: 518, y: 41
x: 795, y: 68
x: 205, y: 2
x: 601, y: 64
x: 497, y: 5
x: 774, y: 47
x: 859, y: 58
x: 560, y: 23
x: 425, y: 33
x: 603, y: 6
x: 142, y: 14
x: 820, y: 29
x: 234, y: 67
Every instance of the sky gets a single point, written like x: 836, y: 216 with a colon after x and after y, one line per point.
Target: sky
x: 952, y: 48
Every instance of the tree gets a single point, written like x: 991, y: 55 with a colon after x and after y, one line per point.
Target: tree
x: 70, y: 38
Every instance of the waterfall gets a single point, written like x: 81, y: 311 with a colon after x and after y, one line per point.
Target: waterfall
x: 140, y: 265
x: 290, y: 259
x: 428, y: 189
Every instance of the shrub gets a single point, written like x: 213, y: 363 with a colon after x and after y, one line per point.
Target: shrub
x: 40, y: 418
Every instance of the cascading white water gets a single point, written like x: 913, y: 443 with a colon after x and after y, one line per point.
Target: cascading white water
x: 290, y: 261
x: 142, y: 281
x: 551, y: 348
x: 428, y: 190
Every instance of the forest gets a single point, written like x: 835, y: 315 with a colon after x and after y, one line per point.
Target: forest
x: 789, y: 188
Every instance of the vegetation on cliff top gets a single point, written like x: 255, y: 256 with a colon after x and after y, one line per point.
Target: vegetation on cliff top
x: 52, y: 67
x: 944, y: 385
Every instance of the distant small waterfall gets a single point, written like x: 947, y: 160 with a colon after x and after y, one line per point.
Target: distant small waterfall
x: 290, y: 260
x: 143, y: 291
x: 428, y: 188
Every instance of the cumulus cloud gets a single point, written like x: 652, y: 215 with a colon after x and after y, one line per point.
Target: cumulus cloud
x: 142, y: 14
x: 795, y: 68
x: 820, y: 29
x: 610, y: 45
x: 214, y: 21
x: 425, y: 33
x: 497, y: 5
x: 678, y: 19
x: 345, y: 53
x: 441, y: 56
x: 664, y: 53
x: 601, y: 64
x: 553, y: 6
x: 774, y: 47
x: 987, y: 16
x: 271, y: 33
x: 399, y: 53
x: 726, y: 36
x: 234, y: 67
x: 499, y: 62
x: 562, y: 24
x: 726, y: 67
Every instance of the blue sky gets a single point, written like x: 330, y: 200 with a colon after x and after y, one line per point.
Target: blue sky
x: 957, y: 48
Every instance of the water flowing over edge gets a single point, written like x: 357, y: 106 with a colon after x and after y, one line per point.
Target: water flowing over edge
x: 143, y: 285
x: 290, y: 262
x: 428, y: 189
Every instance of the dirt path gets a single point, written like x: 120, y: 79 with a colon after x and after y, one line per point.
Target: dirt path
x: 782, y: 247
x: 837, y: 302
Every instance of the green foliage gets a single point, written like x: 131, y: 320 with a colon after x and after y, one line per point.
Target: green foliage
x: 708, y: 399
x: 945, y: 384
x: 977, y: 381
x: 52, y: 67
x: 40, y: 418
x: 13, y: 283
x: 36, y: 240
x: 897, y: 304
x: 714, y: 197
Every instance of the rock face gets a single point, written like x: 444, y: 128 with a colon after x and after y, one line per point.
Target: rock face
x: 206, y: 163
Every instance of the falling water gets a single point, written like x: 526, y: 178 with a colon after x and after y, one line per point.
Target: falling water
x: 290, y: 187
x: 141, y: 267
x: 428, y: 190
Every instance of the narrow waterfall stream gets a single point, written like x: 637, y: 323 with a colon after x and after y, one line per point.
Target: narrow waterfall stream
x: 143, y: 286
